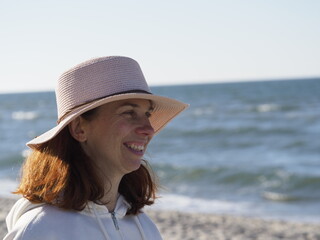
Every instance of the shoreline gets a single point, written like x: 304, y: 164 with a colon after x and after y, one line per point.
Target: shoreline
x: 175, y: 225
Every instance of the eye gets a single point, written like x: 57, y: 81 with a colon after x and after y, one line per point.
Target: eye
x: 129, y: 113
x: 148, y: 114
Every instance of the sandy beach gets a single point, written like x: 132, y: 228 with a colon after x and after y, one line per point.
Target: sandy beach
x: 176, y: 225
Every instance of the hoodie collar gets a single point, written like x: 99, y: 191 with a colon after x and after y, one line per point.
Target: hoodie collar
x: 120, y: 210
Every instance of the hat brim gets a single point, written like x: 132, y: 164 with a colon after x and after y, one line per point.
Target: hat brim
x: 165, y: 109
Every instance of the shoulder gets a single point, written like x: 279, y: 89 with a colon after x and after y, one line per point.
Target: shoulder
x: 150, y: 229
x: 44, y: 222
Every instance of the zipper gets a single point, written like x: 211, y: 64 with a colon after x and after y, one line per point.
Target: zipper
x: 115, y: 221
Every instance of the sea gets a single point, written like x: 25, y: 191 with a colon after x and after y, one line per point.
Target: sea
x: 244, y: 148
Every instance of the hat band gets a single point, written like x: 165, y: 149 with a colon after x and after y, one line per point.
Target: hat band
x: 97, y: 99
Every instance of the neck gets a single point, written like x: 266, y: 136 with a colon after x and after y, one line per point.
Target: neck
x: 111, y: 193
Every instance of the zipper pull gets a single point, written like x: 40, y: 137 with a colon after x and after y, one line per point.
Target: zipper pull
x: 115, y: 221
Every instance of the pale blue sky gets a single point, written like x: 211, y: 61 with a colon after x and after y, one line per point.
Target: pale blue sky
x: 174, y: 41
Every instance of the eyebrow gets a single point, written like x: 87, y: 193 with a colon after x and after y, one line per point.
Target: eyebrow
x: 151, y: 108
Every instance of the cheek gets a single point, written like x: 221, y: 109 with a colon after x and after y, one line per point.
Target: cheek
x: 123, y: 129
x: 110, y: 132
x: 123, y: 126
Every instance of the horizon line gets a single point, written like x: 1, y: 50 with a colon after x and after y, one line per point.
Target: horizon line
x: 202, y: 82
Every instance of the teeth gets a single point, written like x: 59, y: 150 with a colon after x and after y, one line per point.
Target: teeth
x: 136, y: 147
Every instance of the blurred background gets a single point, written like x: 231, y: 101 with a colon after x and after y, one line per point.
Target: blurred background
x: 249, y: 143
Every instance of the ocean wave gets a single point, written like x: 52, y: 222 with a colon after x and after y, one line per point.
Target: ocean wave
x: 236, y: 109
x: 281, y: 197
x: 10, y: 161
x: 202, y: 111
x: 183, y: 203
x: 211, y: 131
x: 7, y: 187
x: 272, y: 107
x: 275, y: 184
x: 24, y: 115
x: 266, y: 108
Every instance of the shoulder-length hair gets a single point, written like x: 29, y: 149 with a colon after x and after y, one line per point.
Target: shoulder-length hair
x: 61, y: 174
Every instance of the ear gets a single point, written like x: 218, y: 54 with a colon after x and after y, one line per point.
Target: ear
x: 77, y: 130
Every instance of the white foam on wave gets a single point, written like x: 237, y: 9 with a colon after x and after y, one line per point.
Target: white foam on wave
x: 174, y: 202
x: 267, y: 107
x: 22, y: 115
x: 187, y: 204
x: 25, y: 153
x: 203, y: 111
x: 7, y: 186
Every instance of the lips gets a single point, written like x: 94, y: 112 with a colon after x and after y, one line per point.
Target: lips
x: 136, y: 147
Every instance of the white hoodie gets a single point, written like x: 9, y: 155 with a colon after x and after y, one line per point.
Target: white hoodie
x: 28, y: 221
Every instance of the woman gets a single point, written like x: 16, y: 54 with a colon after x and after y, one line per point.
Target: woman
x: 85, y: 178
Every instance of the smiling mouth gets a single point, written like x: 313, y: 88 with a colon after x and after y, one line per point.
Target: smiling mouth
x: 135, y: 147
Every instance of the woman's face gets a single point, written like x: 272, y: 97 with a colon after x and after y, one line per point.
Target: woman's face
x: 117, y: 136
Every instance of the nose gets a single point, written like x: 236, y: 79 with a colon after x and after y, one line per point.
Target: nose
x: 145, y: 129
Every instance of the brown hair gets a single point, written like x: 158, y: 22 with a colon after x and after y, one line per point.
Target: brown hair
x: 61, y: 174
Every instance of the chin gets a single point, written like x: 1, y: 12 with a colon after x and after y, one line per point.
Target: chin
x: 134, y: 166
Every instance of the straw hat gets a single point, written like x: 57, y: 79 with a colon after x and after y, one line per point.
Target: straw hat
x: 100, y: 81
